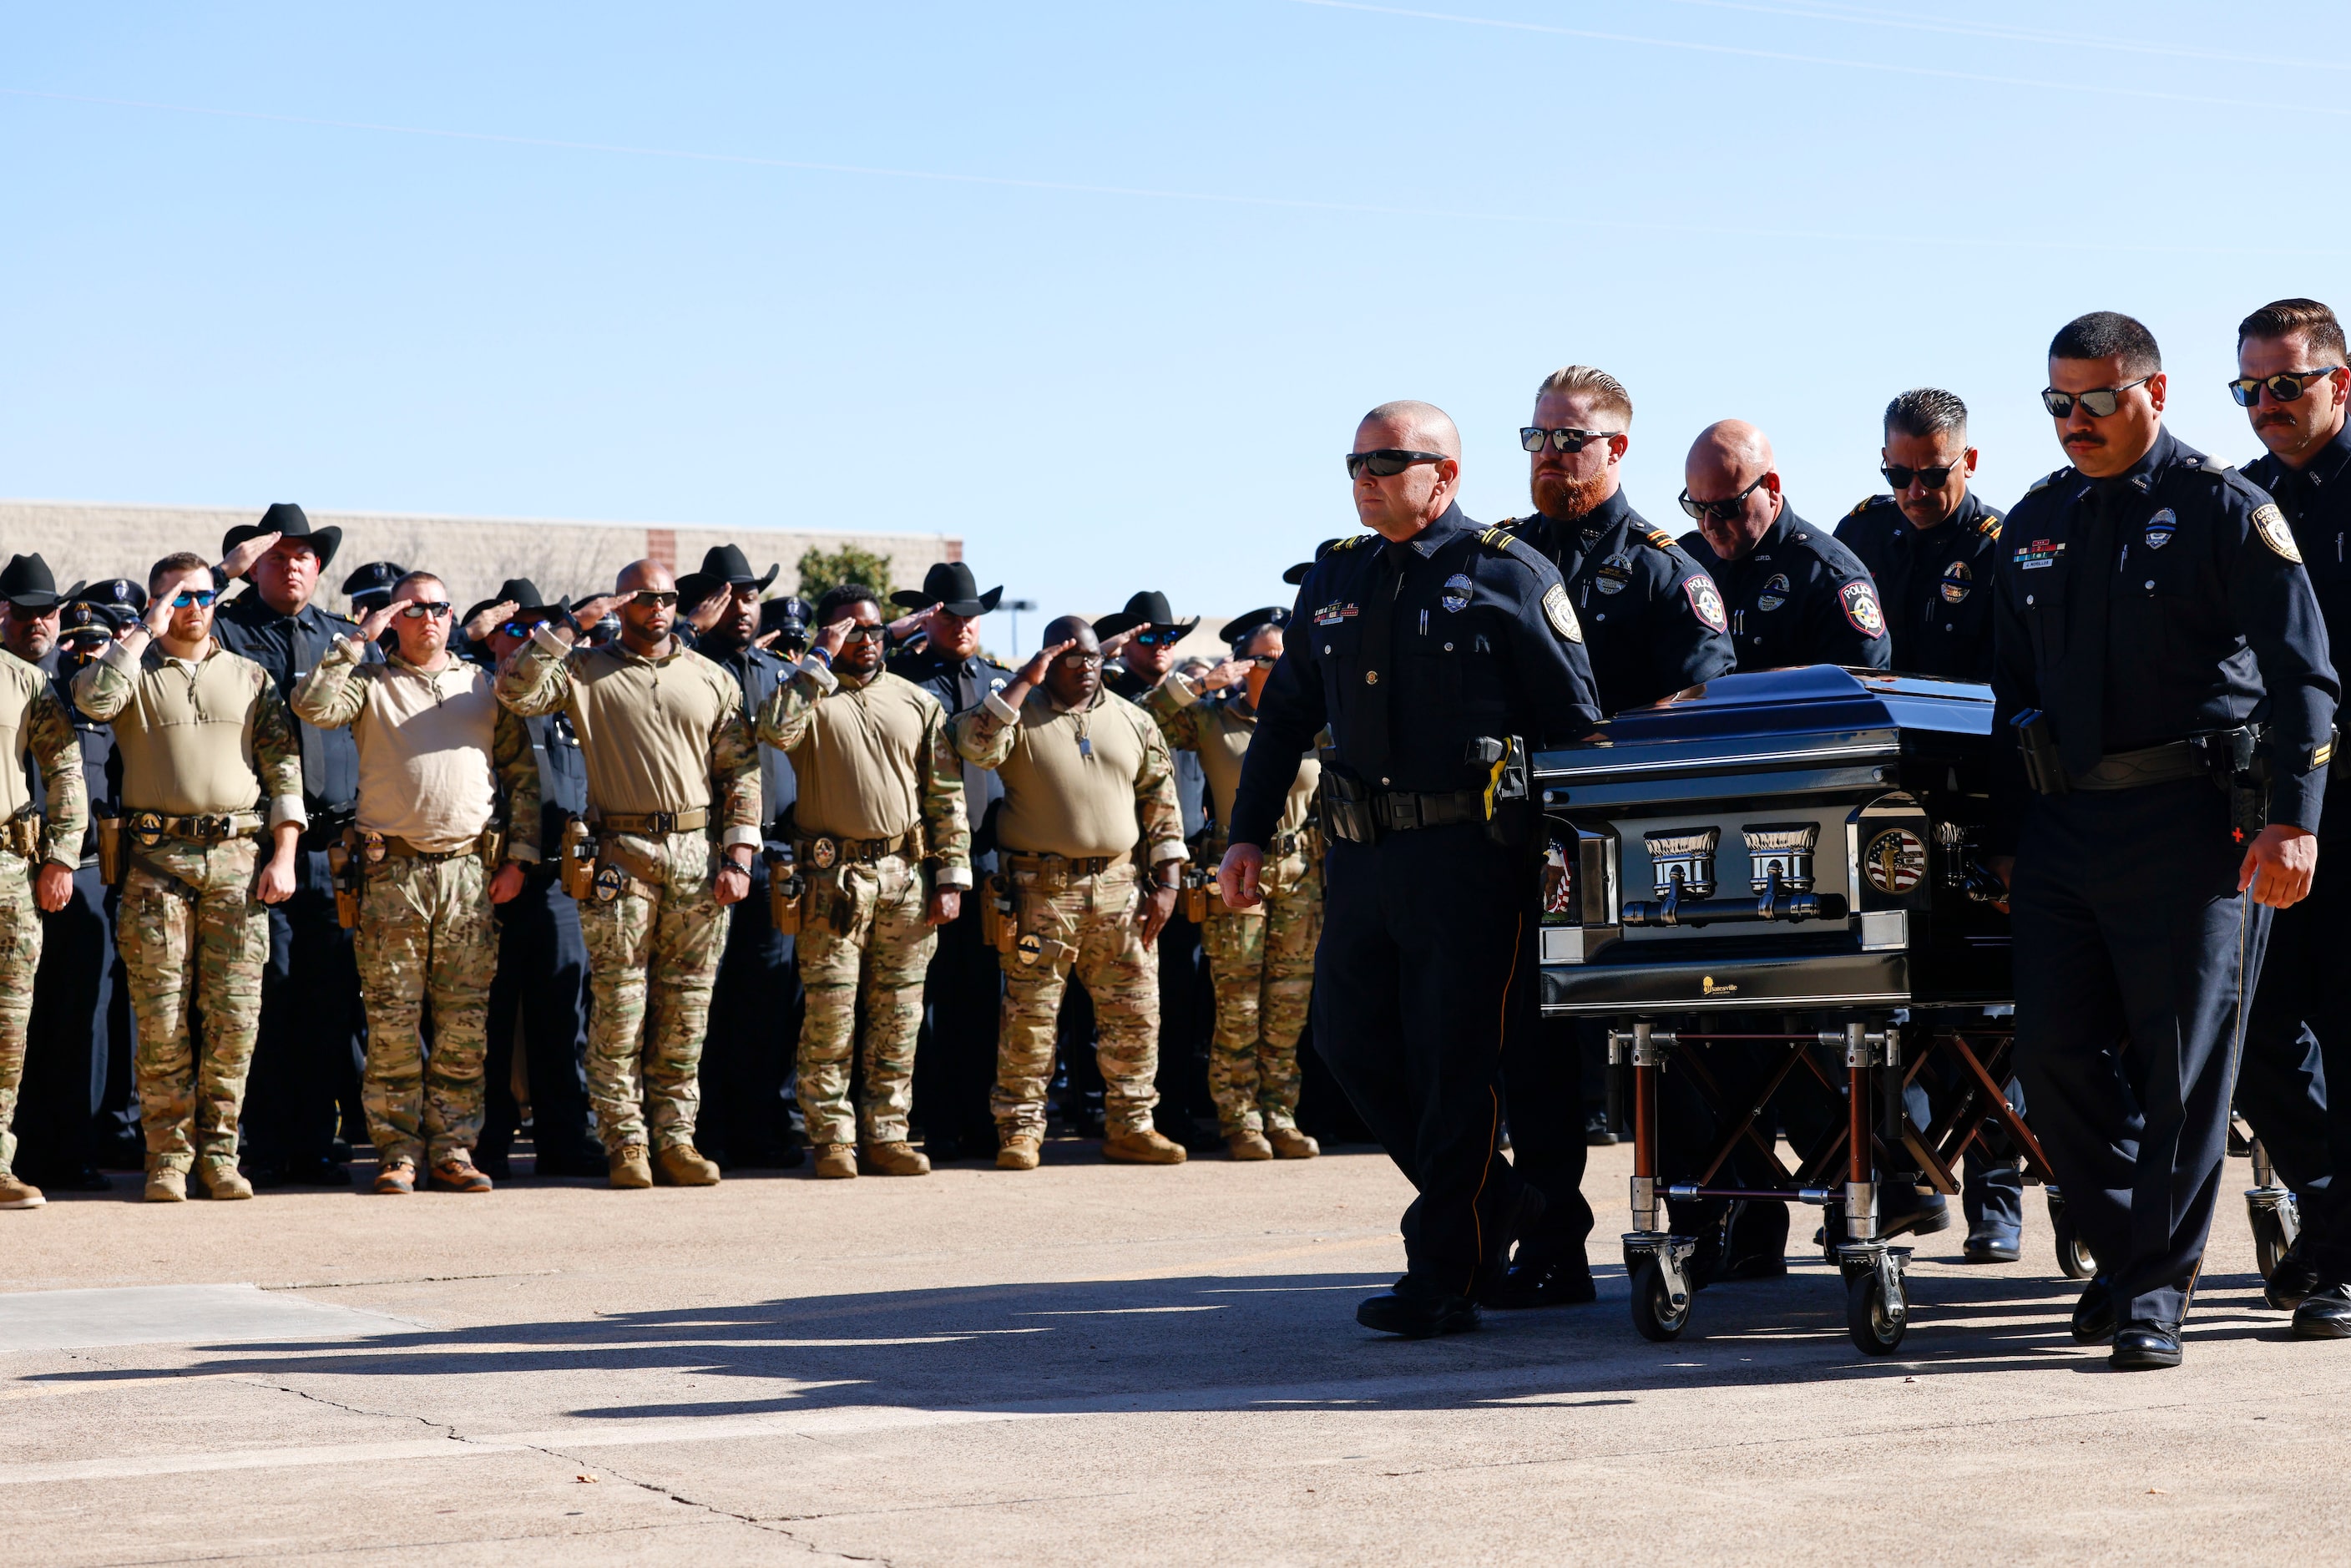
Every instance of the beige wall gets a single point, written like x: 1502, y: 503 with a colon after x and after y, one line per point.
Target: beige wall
x: 86, y: 539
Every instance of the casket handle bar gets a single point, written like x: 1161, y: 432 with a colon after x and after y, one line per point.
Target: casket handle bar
x: 1773, y: 903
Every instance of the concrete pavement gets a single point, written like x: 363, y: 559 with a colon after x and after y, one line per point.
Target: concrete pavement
x: 1086, y: 1363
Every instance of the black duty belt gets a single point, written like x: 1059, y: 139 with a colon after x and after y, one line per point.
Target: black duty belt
x: 1399, y: 810
x: 651, y: 824
x: 2164, y: 764
x: 148, y: 827
x: 822, y: 852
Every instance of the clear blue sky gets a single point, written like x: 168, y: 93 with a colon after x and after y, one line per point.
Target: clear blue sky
x: 1104, y: 288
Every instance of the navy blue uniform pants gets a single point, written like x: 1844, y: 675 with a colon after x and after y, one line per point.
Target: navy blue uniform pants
x: 66, y: 1045
x: 2297, y: 1043
x: 1422, y: 968
x: 305, y: 1061
x: 753, y: 1036
x: 1544, y: 1085
x: 541, y: 989
x: 955, y: 1055
x: 2134, y: 956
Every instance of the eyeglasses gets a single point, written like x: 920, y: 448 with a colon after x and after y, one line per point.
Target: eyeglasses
x: 1389, y: 461
x: 2099, y: 404
x: 1080, y: 661
x: 1566, y: 440
x: 866, y: 633
x: 417, y: 610
x: 1934, y: 478
x: 1721, y: 511
x: 200, y: 598
x: 2283, y: 388
x: 654, y: 599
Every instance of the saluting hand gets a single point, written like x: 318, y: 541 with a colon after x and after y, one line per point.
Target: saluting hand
x: 489, y: 620
x: 2278, y: 865
x: 830, y: 638
x: 1230, y: 673
x: 1033, y: 672
x: 239, y: 561
x: 373, y: 624
x: 595, y: 609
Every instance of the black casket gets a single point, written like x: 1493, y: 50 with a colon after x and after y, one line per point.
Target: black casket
x: 1805, y: 837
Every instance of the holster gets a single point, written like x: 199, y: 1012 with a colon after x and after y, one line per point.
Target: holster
x: 1194, y: 895
x: 344, y: 869
x: 1000, y: 914
x: 786, y: 890
x: 109, y: 851
x: 1510, y: 815
x: 579, y: 864
x: 1343, y: 803
x: 24, y: 834
x: 493, y: 846
x: 2036, y: 741
x: 2242, y: 770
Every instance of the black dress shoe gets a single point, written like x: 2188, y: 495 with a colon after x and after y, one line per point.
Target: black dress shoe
x: 1993, y: 1244
x: 2325, y: 1313
x: 1597, y: 1133
x: 2291, y: 1278
x: 2145, y: 1347
x: 2093, y: 1314
x: 1544, y: 1276
x: 1922, y: 1216
x: 1418, y: 1316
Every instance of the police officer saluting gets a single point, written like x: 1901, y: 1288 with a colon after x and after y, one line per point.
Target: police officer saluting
x: 1795, y: 596
x: 2294, y: 387
x: 2149, y: 602
x: 1931, y: 544
x: 1428, y: 646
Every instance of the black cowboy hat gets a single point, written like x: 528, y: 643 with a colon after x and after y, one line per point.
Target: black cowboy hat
x: 951, y: 586
x: 525, y: 597
x: 1242, y: 628
x: 26, y: 583
x: 1145, y: 609
x: 726, y: 563
x: 285, y: 518
x: 375, y: 577
x: 1297, y: 574
x: 115, y: 590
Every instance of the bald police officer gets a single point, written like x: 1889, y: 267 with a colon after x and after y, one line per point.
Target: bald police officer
x: 1433, y: 649
x: 2150, y: 603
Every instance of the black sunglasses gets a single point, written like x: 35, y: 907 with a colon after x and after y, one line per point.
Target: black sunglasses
x: 2099, y: 404
x: 654, y: 599
x: 417, y: 610
x: 865, y: 633
x: 1933, y: 479
x: 1721, y: 511
x: 525, y: 628
x: 1566, y: 440
x: 1389, y: 461
x: 2286, y: 388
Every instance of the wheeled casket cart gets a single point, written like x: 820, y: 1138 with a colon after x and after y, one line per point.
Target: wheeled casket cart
x: 1802, y: 844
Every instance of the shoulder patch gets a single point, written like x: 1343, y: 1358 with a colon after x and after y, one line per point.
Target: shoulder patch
x: 1525, y: 554
x: 1705, y: 602
x: 1561, y: 613
x: 2270, y: 523
x: 1859, y: 599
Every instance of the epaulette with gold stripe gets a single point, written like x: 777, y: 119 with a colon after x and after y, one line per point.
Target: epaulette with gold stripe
x: 1989, y: 526
x: 1660, y: 539
x: 1349, y: 542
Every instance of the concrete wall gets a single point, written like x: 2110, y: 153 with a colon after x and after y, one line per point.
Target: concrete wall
x: 87, y: 540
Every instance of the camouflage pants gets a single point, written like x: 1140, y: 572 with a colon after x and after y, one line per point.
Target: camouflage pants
x: 868, y: 925
x: 424, y: 932
x: 193, y: 939
x: 652, y: 955
x: 20, y: 955
x: 1263, y: 965
x: 1086, y: 927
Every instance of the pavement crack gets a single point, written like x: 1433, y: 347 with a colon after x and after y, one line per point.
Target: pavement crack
x: 769, y: 1526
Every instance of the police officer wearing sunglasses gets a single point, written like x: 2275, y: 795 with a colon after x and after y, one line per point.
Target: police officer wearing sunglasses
x: 2294, y: 388
x: 1931, y: 544
x: 1425, y: 644
x: 1794, y: 595
x: 2152, y: 603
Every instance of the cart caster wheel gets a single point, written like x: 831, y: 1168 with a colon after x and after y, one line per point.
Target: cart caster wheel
x: 2268, y: 1241
x: 2073, y: 1259
x: 1654, y: 1312
x: 1876, y: 1330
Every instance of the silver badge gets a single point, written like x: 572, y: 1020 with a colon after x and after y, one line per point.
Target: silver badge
x: 1561, y: 613
x: 1455, y: 596
x: 1775, y: 591
x: 1613, y: 574
x: 2160, y: 527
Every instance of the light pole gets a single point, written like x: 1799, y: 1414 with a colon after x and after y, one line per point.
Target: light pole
x: 1014, y: 607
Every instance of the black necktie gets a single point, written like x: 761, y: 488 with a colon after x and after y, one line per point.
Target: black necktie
x: 1369, y: 748
x: 2081, y: 683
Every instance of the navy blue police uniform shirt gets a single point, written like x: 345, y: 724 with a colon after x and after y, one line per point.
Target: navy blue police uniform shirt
x: 960, y: 684
x: 289, y: 647
x: 1483, y: 641
x: 1797, y: 598
x: 2316, y: 501
x: 1654, y: 621
x: 2210, y: 620
x: 1934, y: 585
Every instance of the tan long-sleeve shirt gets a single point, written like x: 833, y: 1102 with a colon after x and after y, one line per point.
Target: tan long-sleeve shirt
x: 1219, y: 730
x: 873, y: 758
x: 202, y: 736
x: 1080, y: 782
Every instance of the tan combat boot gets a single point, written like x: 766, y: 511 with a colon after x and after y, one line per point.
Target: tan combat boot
x: 457, y: 1172
x: 681, y: 1165
x: 1143, y: 1147
x: 164, y: 1185
x: 1249, y: 1145
x: 397, y: 1179
x: 1018, y: 1154
x: 15, y: 1192
x: 836, y: 1161
x: 630, y: 1167
x: 1289, y: 1143
x: 222, y: 1179
x: 897, y: 1159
